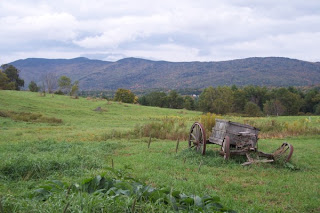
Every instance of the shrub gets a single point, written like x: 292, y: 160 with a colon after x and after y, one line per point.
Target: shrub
x: 171, y: 128
x: 208, y: 121
x: 252, y: 109
x: 30, y: 117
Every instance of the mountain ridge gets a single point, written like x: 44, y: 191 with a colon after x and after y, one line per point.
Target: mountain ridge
x: 137, y: 73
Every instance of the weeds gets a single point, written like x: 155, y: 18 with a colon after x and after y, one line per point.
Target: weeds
x: 208, y: 121
x: 276, y: 129
x: 171, y: 128
x: 29, y: 117
x: 125, y: 187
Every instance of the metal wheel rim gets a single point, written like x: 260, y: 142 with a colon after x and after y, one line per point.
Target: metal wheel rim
x: 285, y: 152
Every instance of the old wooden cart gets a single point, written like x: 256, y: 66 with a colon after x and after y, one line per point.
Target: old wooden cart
x: 236, y: 139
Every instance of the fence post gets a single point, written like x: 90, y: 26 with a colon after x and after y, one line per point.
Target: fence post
x: 149, y: 141
x: 177, y: 146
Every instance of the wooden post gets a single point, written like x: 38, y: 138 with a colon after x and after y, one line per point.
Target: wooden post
x: 177, y: 146
x: 149, y: 141
x: 200, y: 166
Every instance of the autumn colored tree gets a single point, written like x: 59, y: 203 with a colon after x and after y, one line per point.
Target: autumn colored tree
x: 124, y: 95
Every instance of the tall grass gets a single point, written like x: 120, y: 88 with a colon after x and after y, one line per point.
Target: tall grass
x: 171, y: 128
x: 29, y: 117
x: 281, y: 129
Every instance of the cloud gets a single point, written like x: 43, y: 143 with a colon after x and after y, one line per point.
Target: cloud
x: 181, y: 30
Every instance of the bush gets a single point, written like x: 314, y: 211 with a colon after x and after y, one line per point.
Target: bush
x: 171, y: 128
x: 252, y: 109
x: 124, y: 95
x: 208, y: 121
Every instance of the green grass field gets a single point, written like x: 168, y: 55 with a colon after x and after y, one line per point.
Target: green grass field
x: 38, y: 147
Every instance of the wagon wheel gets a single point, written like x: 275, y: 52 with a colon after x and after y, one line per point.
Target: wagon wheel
x: 226, y: 148
x: 284, y: 152
x: 197, y: 138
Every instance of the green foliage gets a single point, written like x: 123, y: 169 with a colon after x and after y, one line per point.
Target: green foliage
x: 208, y: 120
x: 317, y: 109
x: 189, y: 103
x: 5, y: 83
x: 158, y: 99
x: 33, y: 87
x: 12, y: 74
x: 75, y: 89
x: 291, y: 101
x: 216, y: 100
x: 175, y: 101
x: 64, y: 83
x: 124, y: 95
x: 128, y: 187
x: 252, y: 109
x: 273, y: 107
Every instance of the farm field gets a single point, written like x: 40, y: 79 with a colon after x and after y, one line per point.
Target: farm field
x: 58, y: 138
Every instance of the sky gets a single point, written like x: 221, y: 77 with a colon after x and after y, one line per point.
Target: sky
x: 171, y: 30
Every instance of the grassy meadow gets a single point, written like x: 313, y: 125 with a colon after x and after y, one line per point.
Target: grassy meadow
x: 51, y: 138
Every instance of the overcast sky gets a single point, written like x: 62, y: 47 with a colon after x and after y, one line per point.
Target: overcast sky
x: 172, y: 30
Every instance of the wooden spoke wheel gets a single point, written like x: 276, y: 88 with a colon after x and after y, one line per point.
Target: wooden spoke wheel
x: 284, y: 153
x: 226, y: 148
x: 197, y: 138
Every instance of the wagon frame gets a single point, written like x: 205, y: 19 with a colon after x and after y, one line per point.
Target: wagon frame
x: 235, y: 139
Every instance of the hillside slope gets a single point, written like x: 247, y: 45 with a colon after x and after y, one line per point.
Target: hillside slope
x: 134, y: 73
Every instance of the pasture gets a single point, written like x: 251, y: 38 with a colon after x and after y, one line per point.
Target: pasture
x: 50, y: 138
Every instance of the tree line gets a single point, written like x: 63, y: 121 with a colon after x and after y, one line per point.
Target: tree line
x: 248, y: 100
x: 10, y: 80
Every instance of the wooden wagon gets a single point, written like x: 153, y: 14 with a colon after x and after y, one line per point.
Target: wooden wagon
x: 235, y: 139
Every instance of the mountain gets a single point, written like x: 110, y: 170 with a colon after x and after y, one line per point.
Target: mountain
x: 135, y: 73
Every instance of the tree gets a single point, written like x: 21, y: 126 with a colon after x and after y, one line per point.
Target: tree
x: 175, y: 101
x: 311, y: 100
x: 75, y: 89
x: 239, y: 100
x: 33, y: 87
x: 252, y: 109
x: 50, y: 81
x: 5, y: 84
x: 291, y: 101
x: 64, y: 84
x: 219, y: 100
x: 206, y: 99
x: 256, y: 94
x: 124, y: 95
x: 274, y: 107
x: 12, y: 74
x: 159, y: 99
x: 189, y: 103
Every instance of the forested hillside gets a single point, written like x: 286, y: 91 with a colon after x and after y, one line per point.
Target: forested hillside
x: 134, y: 73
